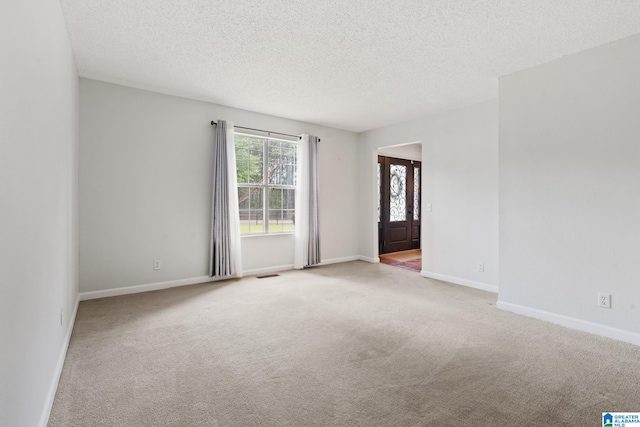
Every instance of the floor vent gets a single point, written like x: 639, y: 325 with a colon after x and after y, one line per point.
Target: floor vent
x: 264, y: 276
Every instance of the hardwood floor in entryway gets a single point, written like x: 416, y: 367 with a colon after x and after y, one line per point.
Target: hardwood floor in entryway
x: 409, y: 260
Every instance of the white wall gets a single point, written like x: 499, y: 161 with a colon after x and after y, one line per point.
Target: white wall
x: 570, y: 188
x: 38, y: 206
x: 145, y: 171
x: 460, y: 180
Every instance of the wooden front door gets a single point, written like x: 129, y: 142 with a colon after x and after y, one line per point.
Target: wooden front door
x: 399, y: 204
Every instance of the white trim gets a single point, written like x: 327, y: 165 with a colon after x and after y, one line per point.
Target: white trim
x: 53, y: 387
x: 267, y: 270
x: 339, y: 260
x: 369, y: 259
x: 458, y: 281
x: 145, y: 288
x: 572, y: 322
x: 271, y: 234
x: 290, y: 266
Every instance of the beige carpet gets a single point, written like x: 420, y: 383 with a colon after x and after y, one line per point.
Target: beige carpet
x: 351, y: 344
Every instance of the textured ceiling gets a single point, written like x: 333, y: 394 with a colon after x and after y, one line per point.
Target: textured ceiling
x: 350, y: 64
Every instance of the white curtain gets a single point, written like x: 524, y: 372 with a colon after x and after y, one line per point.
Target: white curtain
x: 307, y: 241
x: 226, y: 255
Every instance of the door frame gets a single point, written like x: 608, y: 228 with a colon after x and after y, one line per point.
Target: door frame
x: 373, y: 161
x: 411, y: 226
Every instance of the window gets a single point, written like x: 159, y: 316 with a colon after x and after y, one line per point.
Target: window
x: 266, y: 169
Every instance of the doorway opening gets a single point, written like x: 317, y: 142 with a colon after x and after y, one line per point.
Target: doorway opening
x: 398, y: 204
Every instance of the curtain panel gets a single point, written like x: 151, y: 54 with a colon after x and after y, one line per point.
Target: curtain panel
x: 226, y: 255
x: 307, y: 237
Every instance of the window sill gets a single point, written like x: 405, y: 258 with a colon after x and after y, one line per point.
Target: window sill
x: 267, y: 235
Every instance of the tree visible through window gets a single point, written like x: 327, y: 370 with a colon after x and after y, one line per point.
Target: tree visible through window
x: 266, y: 169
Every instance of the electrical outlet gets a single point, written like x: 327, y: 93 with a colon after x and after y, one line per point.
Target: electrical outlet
x: 481, y: 267
x: 604, y: 300
x: 157, y: 264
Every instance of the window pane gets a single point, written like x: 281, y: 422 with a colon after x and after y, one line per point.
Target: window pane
x: 275, y: 220
x: 256, y: 223
x: 290, y: 219
x: 282, y: 198
x: 282, y: 203
x: 242, y: 160
x: 256, y: 170
x: 256, y: 199
x: 275, y: 198
x: 249, y: 159
x: 251, y: 204
x: 243, y: 199
x: 281, y: 220
x: 282, y: 162
x: 289, y: 199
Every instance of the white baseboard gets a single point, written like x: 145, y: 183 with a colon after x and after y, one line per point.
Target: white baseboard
x: 278, y: 268
x: 83, y: 296
x: 144, y: 288
x: 572, y: 322
x: 267, y: 270
x: 369, y: 259
x: 53, y: 387
x: 458, y: 281
x: 339, y: 260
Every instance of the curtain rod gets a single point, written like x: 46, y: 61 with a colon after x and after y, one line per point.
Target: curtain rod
x: 261, y: 130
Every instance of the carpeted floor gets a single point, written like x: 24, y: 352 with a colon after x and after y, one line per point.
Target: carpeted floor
x: 409, y: 260
x: 351, y: 344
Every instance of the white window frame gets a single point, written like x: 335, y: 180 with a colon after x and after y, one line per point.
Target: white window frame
x: 266, y: 186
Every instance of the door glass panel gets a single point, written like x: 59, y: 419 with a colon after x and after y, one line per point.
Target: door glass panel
x: 398, y: 193
x: 416, y: 194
